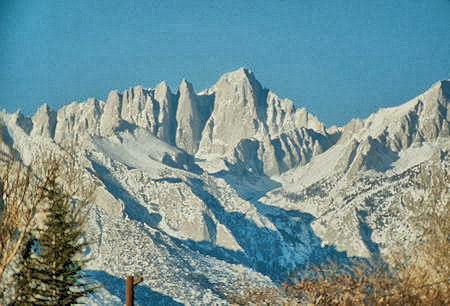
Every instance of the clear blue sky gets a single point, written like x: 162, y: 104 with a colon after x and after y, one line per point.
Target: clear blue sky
x: 339, y: 59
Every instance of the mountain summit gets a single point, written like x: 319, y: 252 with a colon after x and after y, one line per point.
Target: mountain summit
x: 196, y: 191
x: 236, y: 110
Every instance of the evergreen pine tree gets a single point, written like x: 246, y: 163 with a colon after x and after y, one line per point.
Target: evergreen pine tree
x: 24, y: 283
x: 60, y: 281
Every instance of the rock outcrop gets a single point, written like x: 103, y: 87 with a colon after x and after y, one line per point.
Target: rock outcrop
x: 244, y: 111
x: 284, y: 191
x: 44, y: 122
x: 374, y: 142
x: 237, y: 110
x: 77, y: 121
x: 140, y: 108
x: 111, y: 117
x: 189, y: 121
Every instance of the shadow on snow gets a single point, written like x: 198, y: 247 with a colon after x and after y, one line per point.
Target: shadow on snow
x: 143, y: 295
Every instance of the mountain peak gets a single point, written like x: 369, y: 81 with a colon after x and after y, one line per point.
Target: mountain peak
x: 44, y: 122
x: 45, y: 108
x: 244, y: 70
x: 162, y: 85
x: 242, y: 78
x: 186, y: 86
x: 252, y: 187
x: 444, y: 85
x: 438, y: 92
x: 240, y: 74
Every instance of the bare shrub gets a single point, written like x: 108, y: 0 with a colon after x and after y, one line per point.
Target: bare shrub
x: 22, y: 198
x: 247, y: 294
x: 21, y: 192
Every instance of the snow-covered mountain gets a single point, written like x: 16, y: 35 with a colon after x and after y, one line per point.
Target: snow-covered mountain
x: 198, y: 190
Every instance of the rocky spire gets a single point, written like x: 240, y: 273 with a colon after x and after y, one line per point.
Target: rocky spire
x: 167, y: 106
x: 111, y: 117
x: 44, y: 122
x: 189, y: 127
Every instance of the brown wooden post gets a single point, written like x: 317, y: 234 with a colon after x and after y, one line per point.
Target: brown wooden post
x: 138, y: 280
x: 129, y: 291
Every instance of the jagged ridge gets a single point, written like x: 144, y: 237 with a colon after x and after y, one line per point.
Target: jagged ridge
x: 215, y: 121
x: 191, y: 231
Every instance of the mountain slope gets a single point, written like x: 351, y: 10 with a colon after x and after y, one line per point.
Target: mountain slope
x: 196, y: 191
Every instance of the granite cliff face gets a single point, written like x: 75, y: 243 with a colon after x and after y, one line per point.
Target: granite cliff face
x: 245, y: 112
x: 236, y: 109
x: 192, y: 113
x: 196, y: 190
x: 44, y: 122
